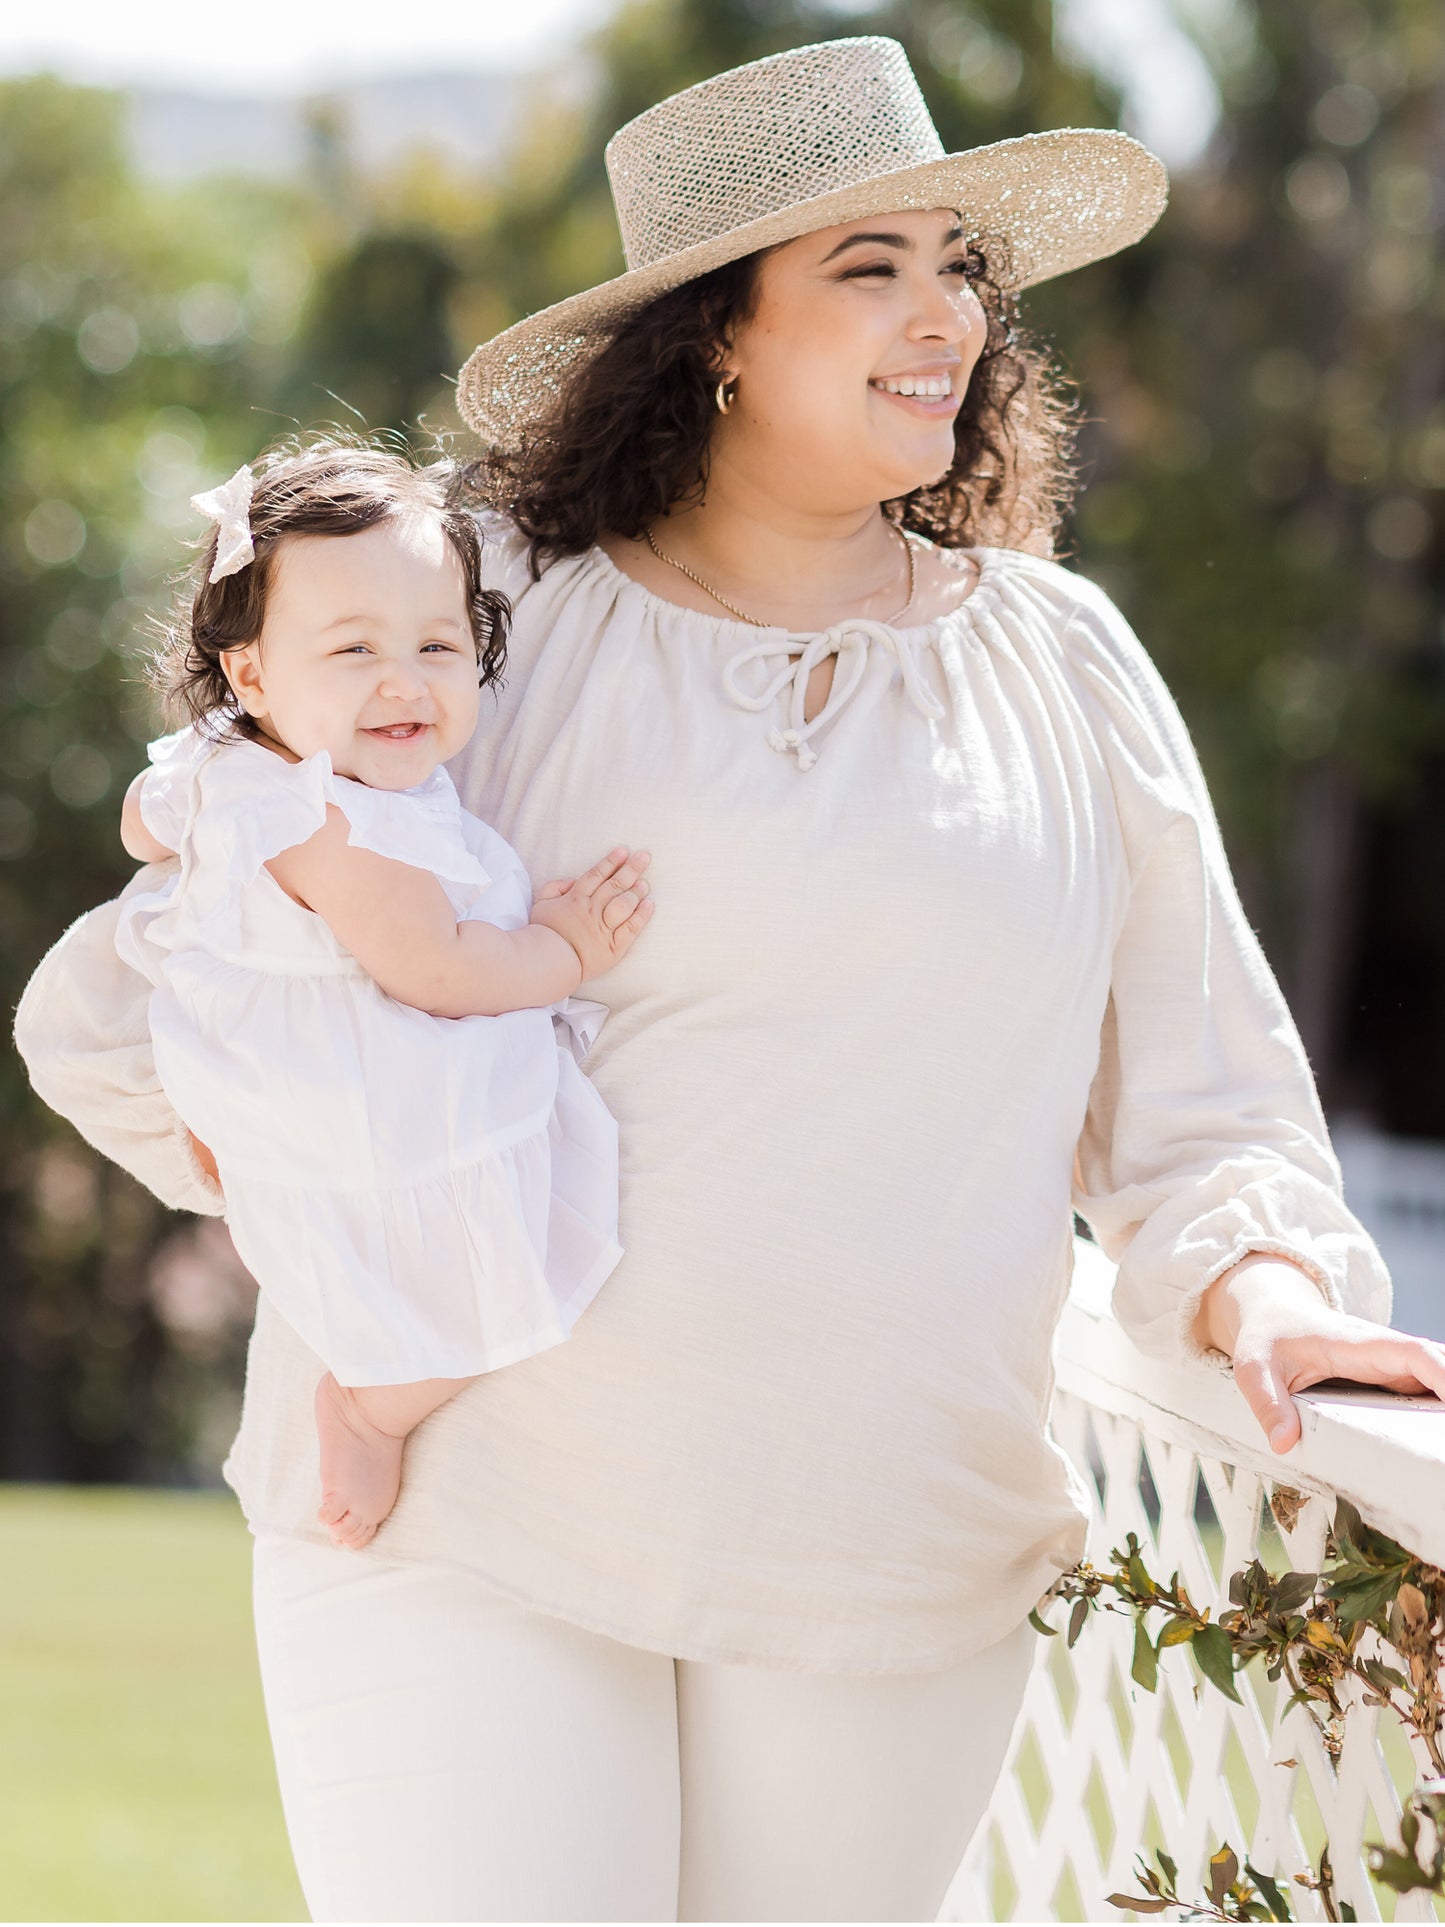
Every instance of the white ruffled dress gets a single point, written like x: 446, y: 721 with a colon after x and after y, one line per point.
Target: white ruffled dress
x: 419, y: 1196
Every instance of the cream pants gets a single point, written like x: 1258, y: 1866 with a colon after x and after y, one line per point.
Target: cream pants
x: 444, y: 1754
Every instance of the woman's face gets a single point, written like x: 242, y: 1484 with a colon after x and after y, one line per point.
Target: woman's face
x: 845, y: 323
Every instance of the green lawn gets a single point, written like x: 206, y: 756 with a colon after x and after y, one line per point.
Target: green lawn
x: 135, y: 1776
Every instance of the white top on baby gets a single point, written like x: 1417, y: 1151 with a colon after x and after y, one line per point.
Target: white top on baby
x: 419, y: 1196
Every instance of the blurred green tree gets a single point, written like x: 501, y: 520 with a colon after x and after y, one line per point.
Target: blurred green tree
x: 136, y: 331
x: 376, y: 338
x: 1269, y: 456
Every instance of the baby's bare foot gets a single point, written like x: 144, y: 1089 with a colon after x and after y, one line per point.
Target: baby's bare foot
x: 360, y: 1467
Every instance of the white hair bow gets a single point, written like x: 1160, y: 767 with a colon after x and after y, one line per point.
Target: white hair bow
x: 229, y: 506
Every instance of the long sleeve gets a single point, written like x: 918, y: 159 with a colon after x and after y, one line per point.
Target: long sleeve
x: 82, y: 1030
x: 1204, y: 1139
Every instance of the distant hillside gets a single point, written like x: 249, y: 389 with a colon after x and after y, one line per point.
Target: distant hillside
x: 176, y: 135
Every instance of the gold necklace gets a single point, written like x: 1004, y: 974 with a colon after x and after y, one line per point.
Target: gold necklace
x: 742, y: 614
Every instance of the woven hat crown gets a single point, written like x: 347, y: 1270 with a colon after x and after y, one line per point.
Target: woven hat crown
x: 764, y: 138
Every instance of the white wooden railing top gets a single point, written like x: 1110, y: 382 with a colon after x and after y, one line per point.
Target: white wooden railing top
x: 1384, y: 1451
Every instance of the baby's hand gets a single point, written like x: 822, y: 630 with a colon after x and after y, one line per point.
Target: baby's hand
x: 602, y: 913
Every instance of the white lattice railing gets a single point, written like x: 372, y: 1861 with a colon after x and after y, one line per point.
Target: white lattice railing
x: 1101, y: 1769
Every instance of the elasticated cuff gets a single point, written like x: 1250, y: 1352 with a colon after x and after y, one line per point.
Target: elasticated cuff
x: 1266, y: 1247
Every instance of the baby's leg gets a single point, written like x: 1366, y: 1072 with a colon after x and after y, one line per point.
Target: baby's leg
x: 362, y: 1429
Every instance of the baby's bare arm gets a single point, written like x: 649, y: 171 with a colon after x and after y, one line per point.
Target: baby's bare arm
x: 137, y: 839
x: 397, y: 922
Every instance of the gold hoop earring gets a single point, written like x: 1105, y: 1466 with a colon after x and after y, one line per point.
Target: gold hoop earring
x: 722, y: 397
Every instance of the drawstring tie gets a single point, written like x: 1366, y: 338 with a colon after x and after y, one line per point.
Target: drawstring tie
x: 850, y: 639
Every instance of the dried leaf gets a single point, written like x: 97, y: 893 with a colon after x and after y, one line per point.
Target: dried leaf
x: 1286, y: 1504
x: 1040, y: 1625
x: 1177, y: 1632
x: 1223, y: 1871
x: 1323, y: 1637
x: 1412, y: 1606
x: 1137, y: 1903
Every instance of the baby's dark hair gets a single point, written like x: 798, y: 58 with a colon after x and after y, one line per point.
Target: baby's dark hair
x: 325, y: 485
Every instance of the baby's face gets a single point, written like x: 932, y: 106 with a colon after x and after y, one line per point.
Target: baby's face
x: 366, y: 652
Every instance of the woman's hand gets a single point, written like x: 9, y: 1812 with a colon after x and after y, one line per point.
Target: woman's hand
x: 602, y: 912
x: 1273, y: 1322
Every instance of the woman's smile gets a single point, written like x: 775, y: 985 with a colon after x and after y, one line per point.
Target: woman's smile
x: 930, y: 396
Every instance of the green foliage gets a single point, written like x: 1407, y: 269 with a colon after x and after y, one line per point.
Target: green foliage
x: 1228, y: 1895
x: 1307, y: 1627
x: 376, y: 336
x: 1403, y: 1869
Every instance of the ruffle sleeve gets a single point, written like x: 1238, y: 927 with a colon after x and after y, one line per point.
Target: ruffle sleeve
x: 1204, y: 1139
x: 229, y: 808
x: 167, y: 794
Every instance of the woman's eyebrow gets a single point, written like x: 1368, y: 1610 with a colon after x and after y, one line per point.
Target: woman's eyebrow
x: 887, y: 241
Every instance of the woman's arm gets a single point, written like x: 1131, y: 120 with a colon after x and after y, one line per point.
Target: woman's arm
x: 137, y: 839
x: 398, y: 923
x: 1204, y: 1166
x: 83, y: 1031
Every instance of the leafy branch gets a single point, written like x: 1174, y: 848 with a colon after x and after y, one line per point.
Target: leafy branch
x: 1307, y: 1628
x: 1231, y: 1895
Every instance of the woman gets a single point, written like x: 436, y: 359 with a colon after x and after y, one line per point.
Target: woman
x: 719, y: 1610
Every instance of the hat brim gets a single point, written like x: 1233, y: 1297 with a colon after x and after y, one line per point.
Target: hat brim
x: 1060, y: 200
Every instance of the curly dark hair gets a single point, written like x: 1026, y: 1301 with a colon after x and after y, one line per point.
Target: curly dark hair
x: 332, y: 484
x: 628, y: 438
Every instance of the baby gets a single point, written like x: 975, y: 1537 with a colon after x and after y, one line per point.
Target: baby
x: 354, y: 990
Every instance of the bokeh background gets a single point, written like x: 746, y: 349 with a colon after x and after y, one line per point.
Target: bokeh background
x: 214, y: 230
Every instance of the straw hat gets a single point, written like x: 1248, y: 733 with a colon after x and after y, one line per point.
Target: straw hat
x: 796, y: 142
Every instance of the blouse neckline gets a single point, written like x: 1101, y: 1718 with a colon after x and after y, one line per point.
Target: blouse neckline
x: 989, y: 560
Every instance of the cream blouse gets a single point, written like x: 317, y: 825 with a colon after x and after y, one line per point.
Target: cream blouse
x: 907, y: 961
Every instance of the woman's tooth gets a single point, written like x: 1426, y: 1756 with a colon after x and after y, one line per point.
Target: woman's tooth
x: 925, y: 388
